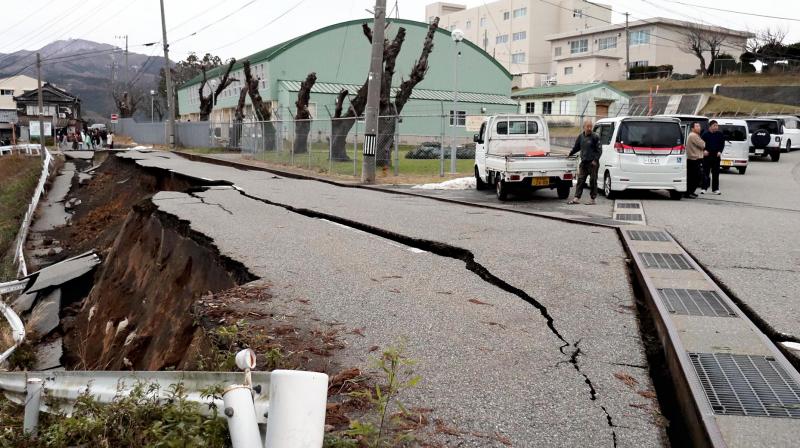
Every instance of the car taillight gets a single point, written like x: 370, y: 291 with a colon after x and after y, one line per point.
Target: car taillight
x: 568, y: 176
x: 514, y: 177
x: 678, y: 150
x: 623, y: 148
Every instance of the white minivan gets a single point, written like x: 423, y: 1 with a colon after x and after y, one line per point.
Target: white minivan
x: 790, y: 130
x: 642, y: 153
x: 737, y: 147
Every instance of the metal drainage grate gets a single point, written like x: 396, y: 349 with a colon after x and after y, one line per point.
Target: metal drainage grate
x: 695, y: 302
x: 747, y: 385
x: 628, y: 217
x: 664, y: 261
x: 647, y: 235
x: 628, y: 205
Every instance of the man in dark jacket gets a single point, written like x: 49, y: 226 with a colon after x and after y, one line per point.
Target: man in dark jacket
x: 715, y: 144
x: 588, y: 144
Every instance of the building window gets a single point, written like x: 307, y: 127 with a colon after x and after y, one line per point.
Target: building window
x: 520, y: 12
x: 568, y: 70
x: 468, y: 24
x: 579, y: 46
x: 501, y: 39
x: 639, y: 63
x: 605, y: 43
x: 483, y: 21
x: 461, y: 118
x: 517, y: 58
x: 530, y: 108
x: 506, y: 15
x: 640, y: 37
x: 521, y: 35
x: 6, y: 92
x: 547, y: 107
x: 563, y: 107
x: 577, y: 13
x: 557, y: 51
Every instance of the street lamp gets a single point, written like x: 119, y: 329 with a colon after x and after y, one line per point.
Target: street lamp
x: 457, y: 36
x: 152, y: 95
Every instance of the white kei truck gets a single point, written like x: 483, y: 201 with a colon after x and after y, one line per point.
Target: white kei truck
x: 512, y: 154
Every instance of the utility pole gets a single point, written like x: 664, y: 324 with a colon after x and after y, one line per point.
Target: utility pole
x: 168, y: 73
x: 627, y: 49
x: 41, y: 104
x: 373, y: 94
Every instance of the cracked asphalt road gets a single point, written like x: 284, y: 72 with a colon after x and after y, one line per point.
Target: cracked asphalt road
x: 487, y: 368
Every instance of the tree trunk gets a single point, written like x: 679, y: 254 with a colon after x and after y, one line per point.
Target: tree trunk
x: 207, y: 102
x: 303, y: 117
x: 262, y: 111
x: 238, y: 116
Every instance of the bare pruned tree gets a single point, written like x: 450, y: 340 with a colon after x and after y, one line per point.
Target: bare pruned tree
x: 303, y: 116
x: 207, y: 102
x: 238, y: 117
x: 702, y: 41
x: 344, y: 121
x: 768, y: 42
x: 261, y: 109
x: 128, y: 102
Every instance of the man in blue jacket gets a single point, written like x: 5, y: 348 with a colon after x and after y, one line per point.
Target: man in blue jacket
x: 588, y: 144
x: 715, y: 144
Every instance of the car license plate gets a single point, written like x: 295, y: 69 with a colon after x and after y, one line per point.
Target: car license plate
x: 540, y: 181
x: 651, y: 160
x: 727, y: 162
x: 759, y: 151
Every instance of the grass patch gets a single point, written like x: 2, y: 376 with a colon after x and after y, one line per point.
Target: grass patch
x: 206, y: 150
x: 20, y: 175
x: 721, y: 105
x: 745, y: 79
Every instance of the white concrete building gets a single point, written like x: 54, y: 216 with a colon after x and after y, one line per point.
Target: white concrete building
x: 598, y: 54
x: 9, y: 88
x: 514, y: 31
x: 568, y: 104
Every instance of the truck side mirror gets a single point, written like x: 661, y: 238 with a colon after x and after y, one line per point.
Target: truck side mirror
x: 477, y: 138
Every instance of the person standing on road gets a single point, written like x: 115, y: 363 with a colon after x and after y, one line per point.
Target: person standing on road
x: 588, y: 144
x: 110, y: 140
x: 695, y: 146
x: 715, y: 144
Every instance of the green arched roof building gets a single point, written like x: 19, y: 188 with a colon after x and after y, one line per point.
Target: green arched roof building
x: 339, y: 54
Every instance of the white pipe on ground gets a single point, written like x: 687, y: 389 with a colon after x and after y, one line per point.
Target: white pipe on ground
x: 297, y: 403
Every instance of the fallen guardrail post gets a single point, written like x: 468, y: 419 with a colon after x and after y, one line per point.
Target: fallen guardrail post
x: 33, y: 399
x: 278, y: 409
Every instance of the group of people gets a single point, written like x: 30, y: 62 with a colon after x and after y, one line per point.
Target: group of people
x: 86, y: 139
x: 703, y: 154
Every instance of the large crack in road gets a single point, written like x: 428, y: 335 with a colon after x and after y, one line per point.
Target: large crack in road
x: 466, y: 256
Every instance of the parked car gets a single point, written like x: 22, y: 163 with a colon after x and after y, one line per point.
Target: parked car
x: 98, y: 126
x: 642, y: 153
x: 686, y: 122
x: 764, y: 135
x: 790, y: 128
x: 737, y: 146
x: 512, y: 153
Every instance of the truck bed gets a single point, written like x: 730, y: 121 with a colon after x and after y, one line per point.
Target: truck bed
x: 531, y: 165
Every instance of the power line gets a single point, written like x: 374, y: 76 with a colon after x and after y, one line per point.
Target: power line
x: 262, y: 27
x: 203, y: 28
x: 752, y: 14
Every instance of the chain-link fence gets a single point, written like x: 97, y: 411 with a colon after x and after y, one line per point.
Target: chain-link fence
x: 335, y: 146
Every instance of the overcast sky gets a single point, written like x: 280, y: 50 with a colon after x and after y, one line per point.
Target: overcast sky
x: 236, y: 28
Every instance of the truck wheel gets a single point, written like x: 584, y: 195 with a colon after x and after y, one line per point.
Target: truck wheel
x: 563, y: 189
x: 788, y: 146
x: 675, y: 195
x: 742, y: 169
x: 775, y: 155
x: 479, y: 183
x: 607, y: 191
x: 502, y: 189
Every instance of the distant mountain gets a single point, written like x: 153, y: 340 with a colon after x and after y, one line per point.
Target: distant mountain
x: 84, y: 68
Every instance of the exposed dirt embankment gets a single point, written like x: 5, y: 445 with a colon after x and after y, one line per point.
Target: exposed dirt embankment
x: 139, y: 313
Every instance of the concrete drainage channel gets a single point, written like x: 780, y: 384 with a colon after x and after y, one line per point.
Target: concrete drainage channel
x: 733, y: 386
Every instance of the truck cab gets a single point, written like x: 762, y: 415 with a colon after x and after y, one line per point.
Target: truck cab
x: 512, y: 152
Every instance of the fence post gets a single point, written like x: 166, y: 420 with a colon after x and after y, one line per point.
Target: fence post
x: 33, y: 398
x: 355, y: 150
x: 396, y: 146
x: 330, y: 141
x: 441, y: 143
x: 297, y: 402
